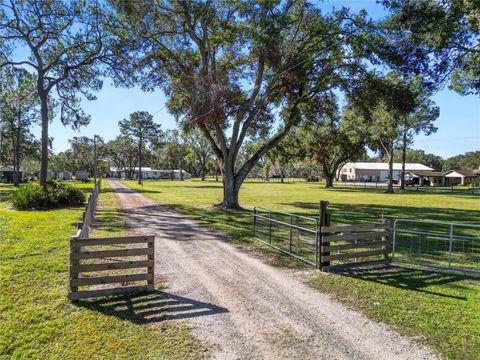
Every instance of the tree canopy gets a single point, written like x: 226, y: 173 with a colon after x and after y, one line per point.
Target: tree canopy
x: 242, y: 69
x: 67, y: 43
x: 439, y: 40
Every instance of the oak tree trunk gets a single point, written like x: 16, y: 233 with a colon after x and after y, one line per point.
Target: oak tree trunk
x: 390, y: 171
x: 231, y: 186
x: 230, y: 194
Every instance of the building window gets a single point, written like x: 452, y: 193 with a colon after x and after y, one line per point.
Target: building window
x: 350, y: 169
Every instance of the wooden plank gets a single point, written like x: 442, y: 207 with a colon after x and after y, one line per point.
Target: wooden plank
x: 111, y: 266
x: 111, y: 253
x: 72, y: 274
x: 115, y: 240
x: 151, y: 269
x: 109, y: 292
x: 359, y: 264
x: 358, y: 227
x: 110, y: 279
x: 355, y: 255
x: 356, y: 236
x: 355, y: 245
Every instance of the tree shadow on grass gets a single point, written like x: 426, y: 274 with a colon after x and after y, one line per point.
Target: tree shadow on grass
x: 152, y: 307
x: 413, y: 279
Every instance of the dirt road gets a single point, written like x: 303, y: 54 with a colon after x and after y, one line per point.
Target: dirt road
x: 245, y: 309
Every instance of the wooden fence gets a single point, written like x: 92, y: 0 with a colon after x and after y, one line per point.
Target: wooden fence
x: 115, y: 260
x: 112, y: 260
x: 320, y: 244
x: 346, y: 246
x: 89, y: 212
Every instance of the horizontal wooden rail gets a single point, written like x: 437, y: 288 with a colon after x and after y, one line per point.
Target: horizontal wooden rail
x: 111, y: 253
x: 111, y: 266
x: 354, y: 228
x: 112, y: 240
x: 111, y: 279
x: 356, y: 236
x: 355, y: 254
x: 355, y: 246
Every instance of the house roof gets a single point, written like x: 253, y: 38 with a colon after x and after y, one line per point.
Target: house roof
x: 462, y: 172
x: 426, y: 173
x: 8, y: 168
x: 384, y: 166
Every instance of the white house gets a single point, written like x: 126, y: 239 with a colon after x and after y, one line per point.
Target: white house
x: 149, y: 173
x: 370, y: 171
x: 460, y: 177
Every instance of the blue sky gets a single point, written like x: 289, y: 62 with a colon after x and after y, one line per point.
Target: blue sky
x: 458, y: 124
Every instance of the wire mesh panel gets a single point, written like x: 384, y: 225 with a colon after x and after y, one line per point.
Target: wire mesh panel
x: 437, y: 244
x: 292, y: 234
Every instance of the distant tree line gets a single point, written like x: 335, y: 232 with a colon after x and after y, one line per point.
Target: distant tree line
x: 250, y: 79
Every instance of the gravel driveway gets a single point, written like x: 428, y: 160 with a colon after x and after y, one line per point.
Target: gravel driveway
x: 246, y: 309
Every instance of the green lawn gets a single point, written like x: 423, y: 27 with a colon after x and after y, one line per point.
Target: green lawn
x: 440, y: 310
x: 36, y: 319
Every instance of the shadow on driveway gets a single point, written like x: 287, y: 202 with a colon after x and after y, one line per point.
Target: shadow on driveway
x: 152, y: 307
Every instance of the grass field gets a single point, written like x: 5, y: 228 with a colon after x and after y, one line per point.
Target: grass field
x: 36, y: 319
x: 440, y: 310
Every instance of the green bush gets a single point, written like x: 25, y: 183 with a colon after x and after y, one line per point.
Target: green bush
x: 67, y: 194
x: 32, y: 196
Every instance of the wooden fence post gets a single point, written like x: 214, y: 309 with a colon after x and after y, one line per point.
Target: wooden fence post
x: 324, y: 221
x: 73, y: 275
x: 151, y: 269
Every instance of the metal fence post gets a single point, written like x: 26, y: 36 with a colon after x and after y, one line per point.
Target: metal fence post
x: 254, y: 220
x: 298, y: 237
x: 385, y: 221
x: 291, y: 223
x: 450, y: 245
x: 270, y: 227
x: 394, y: 237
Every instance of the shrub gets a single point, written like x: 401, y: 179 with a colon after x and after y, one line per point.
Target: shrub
x: 67, y: 194
x: 32, y: 196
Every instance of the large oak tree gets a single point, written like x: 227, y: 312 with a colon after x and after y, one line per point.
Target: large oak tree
x: 239, y: 69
